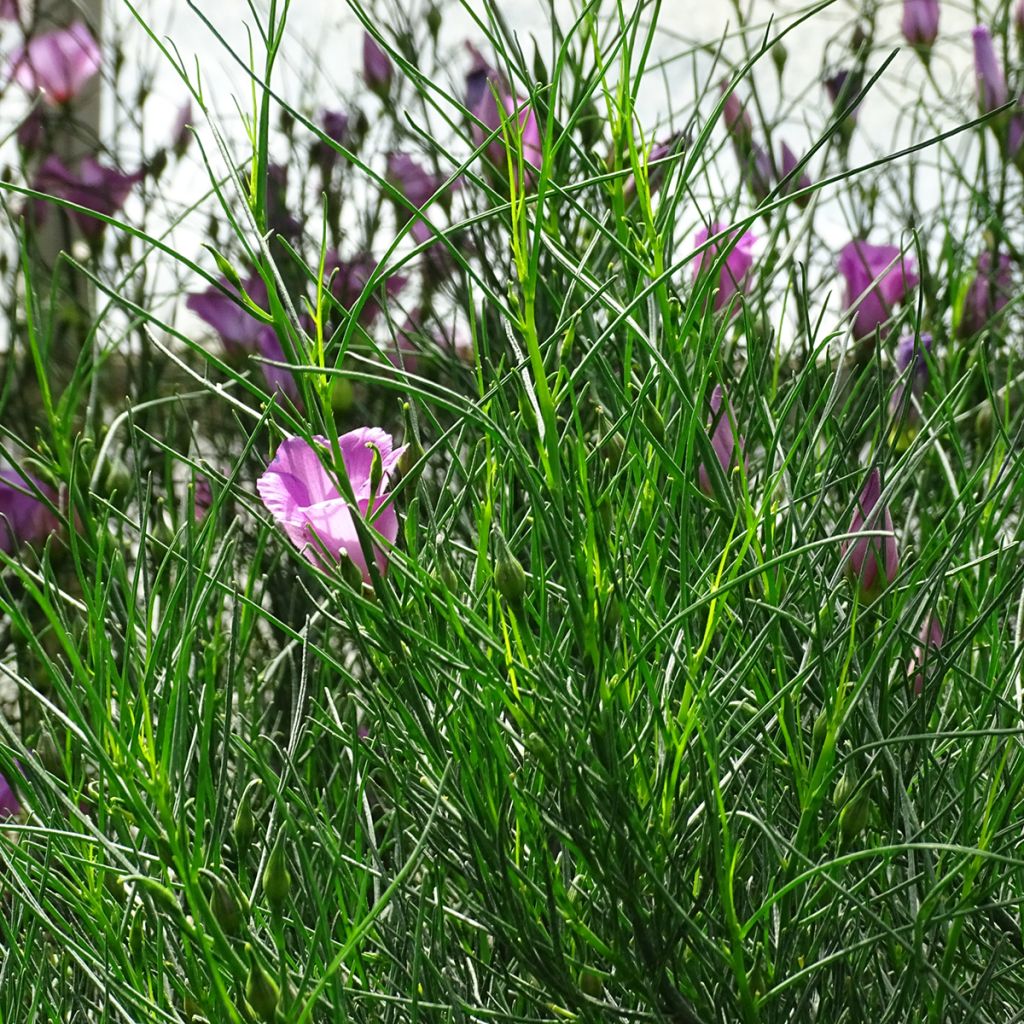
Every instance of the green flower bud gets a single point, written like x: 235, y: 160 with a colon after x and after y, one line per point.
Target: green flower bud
x: 843, y: 791
x: 277, y: 881
x: 509, y: 576
x: 854, y: 817
x: 261, y: 991
x: 591, y: 983
x: 244, y: 826
x: 228, y: 905
x: 820, y: 730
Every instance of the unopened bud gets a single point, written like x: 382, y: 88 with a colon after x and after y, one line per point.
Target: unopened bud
x: 277, y: 881
x: 591, y: 983
x: 854, y: 817
x: 244, y: 825
x: 779, y: 57
x: 843, y: 790
x: 820, y: 731
x: 261, y: 991
x: 509, y: 576
x: 228, y: 907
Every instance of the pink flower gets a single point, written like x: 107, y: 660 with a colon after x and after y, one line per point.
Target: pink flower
x: 877, y: 278
x: 58, y: 64
x: 25, y: 515
x: 873, y: 561
x: 9, y: 10
x: 734, y: 275
x: 724, y: 441
x: 93, y: 185
x: 239, y: 330
x: 737, y: 121
x: 787, y: 166
x: 305, y: 501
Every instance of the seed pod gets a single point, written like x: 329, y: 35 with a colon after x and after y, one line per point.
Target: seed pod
x: 277, y: 881
x: 509, y: 576
x: 261, y: 991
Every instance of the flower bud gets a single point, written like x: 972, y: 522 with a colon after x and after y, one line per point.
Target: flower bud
x: 724, y: 441
x: 787, y: 166
x: 261, y: 991
x: 843, y: 790
x: 244, y: 825
x: 990, y: 290
x: 854, y: 817
x: 819, y: 731
x: 873, y: 561
x: 921, y: 24
x: 991, y: 82
x: 277, y: 881
x: 509, y: 576
x: 929, y: 639
x: 228, y: 906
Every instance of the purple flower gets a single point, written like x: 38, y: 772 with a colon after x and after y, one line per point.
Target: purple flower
x: 305, y: 501
x: 202, y: 499
x: 239, y: 330
x: 992, y: 91
x: 734, y: 275
x: 9, y: 10
x: 9, y: 804
x: 348, y: 279
x: 25, y: 515
x: 241, y: 333
x: 378, y: 70
x: 478, y: 79
x: 413, y: 180
x: 724, y: 441
x: 57, y: 64
x: 93, y: 185
x: 787, y: 166
x: 842, y: 87
x: 1018, y: 17
x: 920, y: 22
x: 873, y: 561
x: 988, y: 292
x: 877, y: 278
x: 181, y: 136
x: 279, y: 218
x: 737, y: 121
x: 335, y: 124
x: 657, y: 161
x: 929, y: 638
x: 515, y: 111
x: 912, y: 369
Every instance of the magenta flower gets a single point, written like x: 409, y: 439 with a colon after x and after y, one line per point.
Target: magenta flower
x: 989, y: 291
x: 842, y: 88
x: 378, y: 71
x: 9, y: 10
x: 734, y: 275
x: 912, y: 368
x: 992, y: 91
x: 929, y: 639
x: 920, y: 22
x: 873, y: 561
x: 305, y: 501
x: 25, y: 513
x: 418, y: 185
x: 336, y: 125
x: 57, y: 64
x: 93, y: 185
x: 877, y: 278
x: 10, y: 807
x: 202, y: 498
x: 724, y: 441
